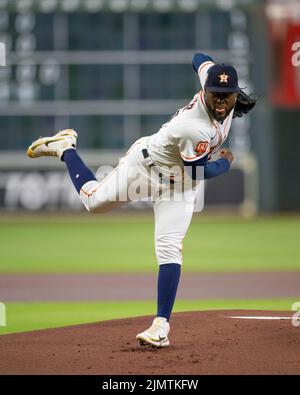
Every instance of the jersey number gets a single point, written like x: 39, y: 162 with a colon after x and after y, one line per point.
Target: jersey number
x: 188, y: 107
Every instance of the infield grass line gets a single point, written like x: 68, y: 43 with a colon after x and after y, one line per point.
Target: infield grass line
x: 23, y: 317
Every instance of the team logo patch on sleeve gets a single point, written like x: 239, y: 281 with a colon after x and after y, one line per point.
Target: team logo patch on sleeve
x: 201, y: 147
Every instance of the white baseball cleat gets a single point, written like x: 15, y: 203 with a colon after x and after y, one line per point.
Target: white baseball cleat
x: 53, y: 146
x: 156, y: 335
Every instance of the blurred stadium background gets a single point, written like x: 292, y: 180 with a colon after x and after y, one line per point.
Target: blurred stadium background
x: 115, y: 70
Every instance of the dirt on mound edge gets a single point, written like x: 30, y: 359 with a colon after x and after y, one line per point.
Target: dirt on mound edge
x: 200, y: 343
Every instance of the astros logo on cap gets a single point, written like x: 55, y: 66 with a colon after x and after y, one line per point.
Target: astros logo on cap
x: 223, y: 78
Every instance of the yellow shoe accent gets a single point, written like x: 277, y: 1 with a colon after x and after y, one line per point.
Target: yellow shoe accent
x: 53, y: 146
x: 156, y: 335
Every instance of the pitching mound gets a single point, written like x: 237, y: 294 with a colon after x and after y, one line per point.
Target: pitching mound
x: 200, y: 343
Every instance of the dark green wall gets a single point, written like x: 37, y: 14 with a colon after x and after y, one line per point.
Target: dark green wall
x: 286, y: 125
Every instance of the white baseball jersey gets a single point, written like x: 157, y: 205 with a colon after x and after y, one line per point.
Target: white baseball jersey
x: 191, y: 133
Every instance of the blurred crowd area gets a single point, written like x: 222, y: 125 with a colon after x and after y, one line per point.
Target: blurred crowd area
x: 115, y: 70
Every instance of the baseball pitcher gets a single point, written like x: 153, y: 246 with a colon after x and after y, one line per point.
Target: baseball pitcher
x: 181, y: 150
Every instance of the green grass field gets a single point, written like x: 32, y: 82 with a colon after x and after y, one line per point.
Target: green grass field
x: 125, y: 244
x: 23, y: 317
x: 122, y: 243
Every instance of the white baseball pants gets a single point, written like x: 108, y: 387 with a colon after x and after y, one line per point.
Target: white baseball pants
x: 133, y: 179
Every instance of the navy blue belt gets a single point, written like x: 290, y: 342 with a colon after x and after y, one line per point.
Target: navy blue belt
x: 146, y: 156
x: 151, y: 163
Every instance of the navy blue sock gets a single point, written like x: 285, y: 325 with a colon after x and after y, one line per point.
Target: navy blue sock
x: 79, y: 173
x: 168, y: 280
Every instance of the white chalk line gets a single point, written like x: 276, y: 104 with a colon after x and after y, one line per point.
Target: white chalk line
x: 260, y: 318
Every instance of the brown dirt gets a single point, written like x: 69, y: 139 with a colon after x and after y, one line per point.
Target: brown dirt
x: 201, y: 343
x: 45, y: 287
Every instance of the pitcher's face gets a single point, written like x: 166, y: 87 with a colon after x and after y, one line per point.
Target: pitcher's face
x: 219, y: 104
